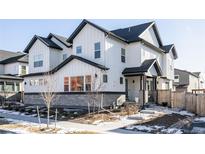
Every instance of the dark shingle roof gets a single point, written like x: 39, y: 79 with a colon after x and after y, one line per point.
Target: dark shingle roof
x: 46, y: 41
x: 7, y: 54
x: 131, y: 34
x: 69, y: 59
x: 143, y: 68
x: 197, y: 73
x: 20, y: 58
x: 83, y: 23
x: 62, y: 39
x: 167, y: 48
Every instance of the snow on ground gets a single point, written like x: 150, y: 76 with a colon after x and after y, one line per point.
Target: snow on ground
x: 200, y: 119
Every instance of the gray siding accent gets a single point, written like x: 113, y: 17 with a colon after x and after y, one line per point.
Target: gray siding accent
x: 71, y: 100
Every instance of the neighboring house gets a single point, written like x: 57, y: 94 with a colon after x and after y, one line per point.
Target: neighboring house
x: 131, y: 61
x: 201, y: 79
x: 186, y: 81
x: 12, y: 66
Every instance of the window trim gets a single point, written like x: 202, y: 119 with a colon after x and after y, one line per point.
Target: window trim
x: 97, y: 52
x: 78, y: 47
x: 105, y: 78
x: 123, y: 55
x: 121, y: 80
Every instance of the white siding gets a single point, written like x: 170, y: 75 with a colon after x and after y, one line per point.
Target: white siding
x: 149, y: 36
x: 113, y: 62
x: 86, y: 38
x: 1, y: 69
x: 74, y: 68
x: 12, y: 68
x: 133, y: 55
x: 54, y: 58
x: 65, y: 50
x: 39, y: 48
x: 148, y: 53
x: 193, y: 83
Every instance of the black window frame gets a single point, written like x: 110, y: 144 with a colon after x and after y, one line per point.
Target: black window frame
x: 121, y: 80
x: 123, y: 55
x: 105, y: 78
x: 97, y: 50
x: 79, y: 47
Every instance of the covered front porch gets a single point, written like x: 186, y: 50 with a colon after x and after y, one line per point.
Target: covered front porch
x: 141, y: 82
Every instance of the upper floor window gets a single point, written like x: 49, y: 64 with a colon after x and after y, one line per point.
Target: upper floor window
x: 176, y: 78
x: 123, y: 55
x: 23, y: 70
x: 97, y: 50
x: 78, y: 49
x: 64, y: 56
x: 105, y: 80
x: 38, y: 60
x: 121, y: 80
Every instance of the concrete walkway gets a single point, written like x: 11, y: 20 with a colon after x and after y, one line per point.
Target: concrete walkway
x: 112, y: 127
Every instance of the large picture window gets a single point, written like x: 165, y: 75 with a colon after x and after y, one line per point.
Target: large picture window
x: 38, y: 60
x: 77, y: 83
x: 88, y: 83
x: 97, y: 50
x: 66, y: 83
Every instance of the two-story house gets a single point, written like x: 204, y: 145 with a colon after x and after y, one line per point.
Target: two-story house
x: 12, y: 66
x: 130, y: 61
x: 188, y: 81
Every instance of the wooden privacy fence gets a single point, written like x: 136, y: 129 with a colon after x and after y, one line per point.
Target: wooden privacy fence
x: 191, y: 102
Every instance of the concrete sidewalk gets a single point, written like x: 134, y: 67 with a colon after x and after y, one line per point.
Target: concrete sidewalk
x: 112, y: 127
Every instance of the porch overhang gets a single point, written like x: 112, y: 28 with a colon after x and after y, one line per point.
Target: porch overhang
x: 144, y: 69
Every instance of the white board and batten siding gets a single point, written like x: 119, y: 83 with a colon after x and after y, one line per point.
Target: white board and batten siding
x: 72, y: 69
x: 149, y: 36
x: 65, y: 50
x: 86, y: 38
x: 39, y: 48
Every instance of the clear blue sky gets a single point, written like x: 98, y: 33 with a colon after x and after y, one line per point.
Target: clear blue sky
x: 187, y: 35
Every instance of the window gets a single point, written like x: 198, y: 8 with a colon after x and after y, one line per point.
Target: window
x: 66, y: 83
x: 105, y: 78
x: 121, y: 80
x: 97, y: 50
x: 176, y: 77
x: 64, y: 56
x: 122, y: 55
x: 1, y: 86
x: 31, y: 82
x: 9, y: 87
x: 23, y: 70
x: 38, y: 60
x: 41, y: 82
x: 77, y: 83
x: 88, y: 83
x: 78, y: 49
x: 17, y: 87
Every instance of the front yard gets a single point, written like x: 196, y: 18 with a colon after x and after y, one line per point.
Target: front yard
x: 153, y: 119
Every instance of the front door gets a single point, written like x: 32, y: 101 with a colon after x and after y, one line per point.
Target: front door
x: 126, y: 88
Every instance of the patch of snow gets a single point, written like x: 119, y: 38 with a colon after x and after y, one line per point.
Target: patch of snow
x: 199, y: 130
x: 201, y: 119
x: 186, y: 113
x: 172, y: 131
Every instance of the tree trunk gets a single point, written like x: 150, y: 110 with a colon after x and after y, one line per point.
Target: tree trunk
x: 48, y: 116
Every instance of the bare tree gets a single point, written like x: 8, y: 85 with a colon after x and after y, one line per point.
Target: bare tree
x: 48, y: 94
x: 96, y: 97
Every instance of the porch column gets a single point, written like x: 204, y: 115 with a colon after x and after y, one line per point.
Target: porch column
x: 144, y: 88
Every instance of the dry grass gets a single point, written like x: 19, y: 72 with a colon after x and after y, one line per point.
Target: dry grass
x: 90, y: 119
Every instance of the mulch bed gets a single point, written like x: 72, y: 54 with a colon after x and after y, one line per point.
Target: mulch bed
x: 165, y: 120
